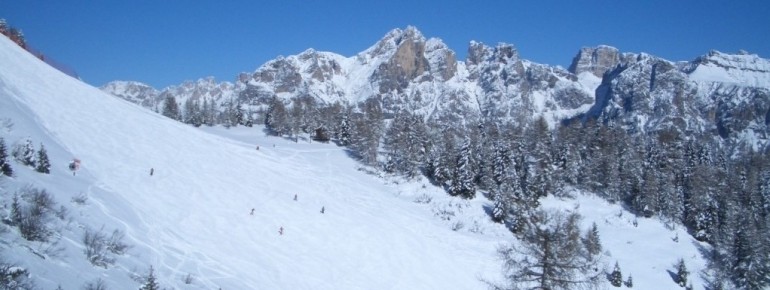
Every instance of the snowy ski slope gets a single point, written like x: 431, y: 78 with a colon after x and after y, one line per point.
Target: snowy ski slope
x: 192, y: 216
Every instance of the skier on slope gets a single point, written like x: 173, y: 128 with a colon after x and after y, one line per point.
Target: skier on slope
x: 74, y: 165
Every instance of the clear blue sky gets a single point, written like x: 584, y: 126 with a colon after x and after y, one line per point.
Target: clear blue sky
x: 165, y: 42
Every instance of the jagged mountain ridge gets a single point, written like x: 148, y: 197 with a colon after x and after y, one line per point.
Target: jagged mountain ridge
x: 407, y: 71
x: 716, y: 93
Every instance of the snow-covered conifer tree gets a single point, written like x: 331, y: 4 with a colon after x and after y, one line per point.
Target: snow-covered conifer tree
x: 629, y: 282
x: 151, y: 282
x: 43, y: 164
x: 25, y: 153
x: 193, y: 114
x: 276, y: 118
x: 171, y: 108
x: 462, y: 177
x: 343, y: 130
x: 16, y: 214
x: 5, y: 164
x: 592, y: 243
x: 681, y: 273
x: 616, y: 277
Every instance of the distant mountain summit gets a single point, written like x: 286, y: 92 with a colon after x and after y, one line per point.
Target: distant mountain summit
x: 725, y: 94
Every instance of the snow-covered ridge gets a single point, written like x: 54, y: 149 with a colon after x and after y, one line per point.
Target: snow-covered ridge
x: 740, y: 69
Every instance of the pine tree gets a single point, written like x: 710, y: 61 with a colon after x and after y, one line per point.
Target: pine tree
x: 297, y: 121
x: 208, y: 112
x: 239, y: 116
x: 616, y: 277
x: 405, y: 141
x: 681, y: 273
x: 462, y: 178
x: 629, y: 282
x: 750, y: 265
x: 171, y: 108
x: 440, y: 165
x: 276, y: 118
x: 43, y: 165
x: 548, y: 256
x: 501, y: 205
x: 701, y: 212
x: 592, y: 243
x: 193, y: 114
x: 150, y: 283
x: 343, y: 130
x: 367, y: 131
x: 500, y: 164
x: 16, y: 215
x: 5, y: 164
x: 25, y: 153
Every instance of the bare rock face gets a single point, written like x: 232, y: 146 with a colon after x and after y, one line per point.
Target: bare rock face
x: 282, y: 73
x: 406, y: 64
x: 442, y: 60
x: 596, y: 60
x: 319, y: 67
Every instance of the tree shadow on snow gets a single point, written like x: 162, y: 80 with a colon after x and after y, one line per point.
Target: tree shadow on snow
x: 674, y: 276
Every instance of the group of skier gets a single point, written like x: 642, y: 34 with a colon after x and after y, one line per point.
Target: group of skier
x: 280, y: 229
x: 152, y: 171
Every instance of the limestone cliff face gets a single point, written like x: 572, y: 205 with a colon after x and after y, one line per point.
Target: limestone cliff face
x: 319, y: 67
x: 405, y: 65
x: 442, y: 60
x: 597, y: 60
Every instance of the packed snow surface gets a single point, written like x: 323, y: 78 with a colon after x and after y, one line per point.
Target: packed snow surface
x: 193, y: 215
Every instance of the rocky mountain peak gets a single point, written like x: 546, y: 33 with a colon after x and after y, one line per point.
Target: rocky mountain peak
x: 506, y: 53
x: 404, y: 55
x: 132, y: 91
x: 393, y: 40
x: 596, y: 60
x: 442, y: 60
x: 503, y: 53
x: 319, y: 65
x: 478, y: 52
